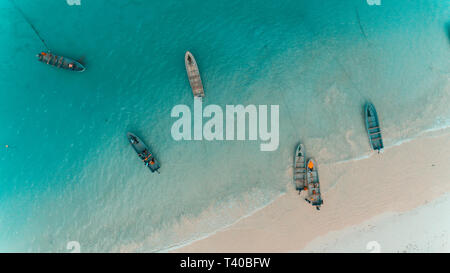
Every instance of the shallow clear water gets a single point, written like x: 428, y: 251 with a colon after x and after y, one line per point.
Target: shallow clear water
x: 69, y: 173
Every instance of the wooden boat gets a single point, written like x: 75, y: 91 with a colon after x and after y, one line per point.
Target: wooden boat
x: 194, y: 75
x: 60, y: 62
x: 144, y: 153
x: 312, y: 179
x: 373, y: 127
x: 300, y: 169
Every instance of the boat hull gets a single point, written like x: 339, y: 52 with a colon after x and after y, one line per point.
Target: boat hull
x: 60, y: 62
x: 300, y: 168
x: 313, y: 184
x: 194, y: 75
x: 373, y: 127
x: 144, y: 152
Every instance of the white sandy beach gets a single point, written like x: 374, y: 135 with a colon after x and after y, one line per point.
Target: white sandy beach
x: 423, y: 229
x: 400, y: 179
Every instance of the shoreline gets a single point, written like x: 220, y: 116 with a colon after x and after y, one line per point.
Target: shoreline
x: 181, y: 245
x: 375, y: 235
x: 376, y: 186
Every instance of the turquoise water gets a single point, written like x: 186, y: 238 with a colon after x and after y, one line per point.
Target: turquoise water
x: 69, y: 173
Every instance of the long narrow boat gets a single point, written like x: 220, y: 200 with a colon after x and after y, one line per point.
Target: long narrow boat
x: 312, y: 179
x: 144, y: 153
x: 194, y: 75
x: 60, y: 62
x: 373, y: 127
x: 300, y: 169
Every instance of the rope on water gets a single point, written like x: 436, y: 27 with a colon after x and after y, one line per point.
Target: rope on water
x: 31, y: 25
x: 360, y: 25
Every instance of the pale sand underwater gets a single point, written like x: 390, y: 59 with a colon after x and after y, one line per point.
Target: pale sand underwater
x: 400, y: 179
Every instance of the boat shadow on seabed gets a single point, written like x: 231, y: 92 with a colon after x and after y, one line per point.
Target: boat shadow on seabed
x: 447, y: 30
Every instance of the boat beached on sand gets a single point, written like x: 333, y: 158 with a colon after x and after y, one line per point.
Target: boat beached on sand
x: 306, y: 177
x: 60, y: 62
x: 300, y: 169
x: 313, y: 184
x: 373, y: 127
x: 194, y: 75
x: 144, y: 153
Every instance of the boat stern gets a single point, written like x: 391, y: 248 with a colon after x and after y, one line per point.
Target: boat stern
x: 78, y: 67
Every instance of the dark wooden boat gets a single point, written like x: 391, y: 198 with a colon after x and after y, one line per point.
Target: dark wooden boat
x: 313, y: 184
x: 300, y: 168
x: 373, y: 127
x: 60, y: 62
x: 144, y: 153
